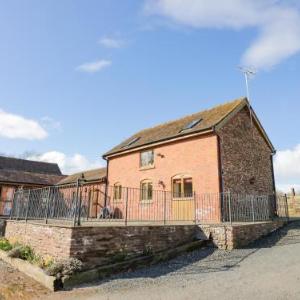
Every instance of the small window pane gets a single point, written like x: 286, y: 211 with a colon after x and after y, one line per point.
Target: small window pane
x: 147, y: 158
x: 146, y: 191
x: 177, y: 188
x: 188, y: 187
x: 117, y: 192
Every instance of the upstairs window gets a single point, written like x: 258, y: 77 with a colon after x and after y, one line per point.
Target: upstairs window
x: 182, y: 186
x: 147, y: 158
x: 117, y: 191
x: 146, y: 190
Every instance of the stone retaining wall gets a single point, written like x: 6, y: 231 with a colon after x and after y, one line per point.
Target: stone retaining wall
x: 228, y: 237
x: 2, y: 226
x: 100, y: 245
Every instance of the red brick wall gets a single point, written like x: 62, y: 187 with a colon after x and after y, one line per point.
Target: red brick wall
x: 196, y: 157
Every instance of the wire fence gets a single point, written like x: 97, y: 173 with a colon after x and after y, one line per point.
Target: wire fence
x: 82, y: 203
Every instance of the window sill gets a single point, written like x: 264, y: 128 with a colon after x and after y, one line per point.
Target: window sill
x: 147, y: 167
x: 146, y: 201
x: 183, y: 199
x: 117, y: 201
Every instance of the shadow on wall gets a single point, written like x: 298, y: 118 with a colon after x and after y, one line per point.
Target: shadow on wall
x: 2, y: 227
x: 209, y: 259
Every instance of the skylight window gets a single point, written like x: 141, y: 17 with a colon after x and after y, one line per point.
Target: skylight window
x: 134, y: 140
x: 191, y: 124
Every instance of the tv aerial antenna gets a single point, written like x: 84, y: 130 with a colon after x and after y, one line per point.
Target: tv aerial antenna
x: 249, y: 73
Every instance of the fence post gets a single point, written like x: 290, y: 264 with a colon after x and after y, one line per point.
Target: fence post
x: 76, y: 203
x: 126, y: 206
x: 12, y: 205
x: 252, y: 207
x: 286, y: 207
x: 47, y: 204
x: 79, y: 207
x: 195, y: 208
x: 165, y: 207
x: 28, y: 203
x: 229, y: 207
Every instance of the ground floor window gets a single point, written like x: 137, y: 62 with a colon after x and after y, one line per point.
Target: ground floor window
x: 146, y: 190
x: 182, y: 186
x: 117, y: 191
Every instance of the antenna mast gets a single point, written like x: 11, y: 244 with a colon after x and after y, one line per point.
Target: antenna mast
x: 248, y: 73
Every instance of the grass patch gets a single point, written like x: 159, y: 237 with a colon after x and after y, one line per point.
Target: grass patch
x: 5, y: 245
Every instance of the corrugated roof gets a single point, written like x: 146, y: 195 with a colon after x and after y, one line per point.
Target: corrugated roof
x: 90, y: 175
x: 173, y: 129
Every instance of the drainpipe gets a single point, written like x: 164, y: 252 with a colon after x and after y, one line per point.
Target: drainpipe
x: 220, y: 171
x: 106, y: 181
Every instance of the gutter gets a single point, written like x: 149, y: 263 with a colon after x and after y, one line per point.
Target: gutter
x: 160, y: 142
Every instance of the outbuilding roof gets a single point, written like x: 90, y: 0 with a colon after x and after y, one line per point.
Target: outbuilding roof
x: 95, y: 175
x: 22, y: 171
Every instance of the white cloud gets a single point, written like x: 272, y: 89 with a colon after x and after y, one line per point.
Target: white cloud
x: 287, y: 168
x: 111, y: 42
x: 278, y: 26
x: 68, y: 164
x: 17, y: 127
x: 50, y: 123
x: 95, y: 66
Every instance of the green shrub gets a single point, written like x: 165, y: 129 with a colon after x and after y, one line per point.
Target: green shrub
x: 64, y: 267
x: 5, y: 245
x: 54, y: 269
x: 22, y: 252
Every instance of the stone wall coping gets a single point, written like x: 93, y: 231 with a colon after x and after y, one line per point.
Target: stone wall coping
x: 50, y: 282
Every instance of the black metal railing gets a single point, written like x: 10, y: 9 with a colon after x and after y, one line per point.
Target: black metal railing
x: 81, y: 203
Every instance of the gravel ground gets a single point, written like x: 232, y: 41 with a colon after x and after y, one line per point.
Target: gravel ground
x: 16, y: 285
x: 267, y: 269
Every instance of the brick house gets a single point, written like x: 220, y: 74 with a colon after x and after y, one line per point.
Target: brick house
x: 223, y: 149
x: 20, y: 173
x: 93, y: 183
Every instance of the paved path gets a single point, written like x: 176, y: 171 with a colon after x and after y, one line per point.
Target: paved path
x: 268, y: 269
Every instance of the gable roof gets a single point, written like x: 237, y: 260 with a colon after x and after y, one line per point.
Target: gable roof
x: 89, y: 176
x: 204, y: 121
x: 22, y: 171
x: 174, y: 129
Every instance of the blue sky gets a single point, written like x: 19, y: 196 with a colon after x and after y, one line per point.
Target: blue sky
x: 77, y: 77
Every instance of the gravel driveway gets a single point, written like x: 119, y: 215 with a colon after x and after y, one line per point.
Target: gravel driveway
x: 268, y: 269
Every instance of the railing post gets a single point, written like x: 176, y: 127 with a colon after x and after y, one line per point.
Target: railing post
x: 79, y: 208
x: 76, y: 203
x: 12, y: 205
x: 252, y: 208
x: 47, y: 204
x: 165, y: 207
x: 126, y: 206
x: 195, y: 208
x: 28, y: 204
x: 286, y: 207
x: 229, y: 207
